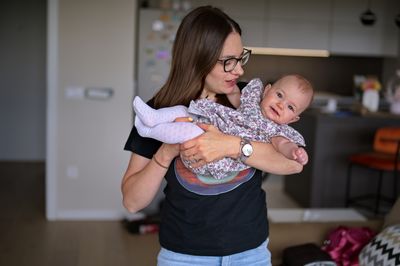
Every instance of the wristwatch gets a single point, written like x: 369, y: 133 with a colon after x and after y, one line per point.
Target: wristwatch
x: 246, y: 149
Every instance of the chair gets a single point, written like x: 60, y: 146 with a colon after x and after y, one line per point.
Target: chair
x: 383, y: 158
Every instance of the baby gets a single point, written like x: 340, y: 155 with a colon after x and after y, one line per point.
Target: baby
x: 263, y: 115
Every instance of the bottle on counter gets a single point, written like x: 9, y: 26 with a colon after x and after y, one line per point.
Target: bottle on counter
x: 393, y: 93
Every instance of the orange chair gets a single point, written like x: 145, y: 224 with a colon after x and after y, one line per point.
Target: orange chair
x: 383, y: 158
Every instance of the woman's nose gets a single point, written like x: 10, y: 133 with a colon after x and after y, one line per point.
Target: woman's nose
x: 238, y: 70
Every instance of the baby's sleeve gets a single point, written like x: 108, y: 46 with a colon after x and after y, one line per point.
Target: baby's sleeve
x: 291, y: 134
x: 251, y: 94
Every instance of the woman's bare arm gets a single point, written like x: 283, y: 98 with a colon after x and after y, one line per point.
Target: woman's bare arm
x: 214, y: 145
x: 267, y: 159
x: 143, y: 177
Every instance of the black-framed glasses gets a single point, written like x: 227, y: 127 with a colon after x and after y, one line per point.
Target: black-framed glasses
x: 231, y: 62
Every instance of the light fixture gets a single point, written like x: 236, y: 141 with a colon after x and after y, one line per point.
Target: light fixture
x: 397, y: 20
x: 289, y: 52
x: 368, y: 18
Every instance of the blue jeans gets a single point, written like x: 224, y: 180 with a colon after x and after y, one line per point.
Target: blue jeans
x: 259, y: 256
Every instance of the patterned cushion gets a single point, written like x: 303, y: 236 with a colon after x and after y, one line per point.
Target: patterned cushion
x: 384, y: 249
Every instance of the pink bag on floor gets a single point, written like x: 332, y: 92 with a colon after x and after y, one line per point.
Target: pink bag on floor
x: 344, y: 244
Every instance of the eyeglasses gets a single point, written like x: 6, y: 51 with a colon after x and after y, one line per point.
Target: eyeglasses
x: 231, y: 62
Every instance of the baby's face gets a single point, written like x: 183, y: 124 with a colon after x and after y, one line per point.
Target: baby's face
x: 284, y: 101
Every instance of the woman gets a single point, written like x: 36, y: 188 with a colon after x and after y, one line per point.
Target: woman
x: 224, y: 221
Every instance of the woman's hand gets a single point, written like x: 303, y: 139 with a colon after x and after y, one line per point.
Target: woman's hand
x: 167, y: 152
x: 211, y: 146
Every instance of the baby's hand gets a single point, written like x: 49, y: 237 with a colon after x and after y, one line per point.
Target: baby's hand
x: 300, y: 156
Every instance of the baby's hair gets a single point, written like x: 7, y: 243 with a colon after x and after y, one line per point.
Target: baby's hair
x: 304, y: 85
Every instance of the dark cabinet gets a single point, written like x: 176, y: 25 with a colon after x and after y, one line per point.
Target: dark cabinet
x: 330, y: 139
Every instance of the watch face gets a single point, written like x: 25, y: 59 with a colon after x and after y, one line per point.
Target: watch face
x: 247, y: 150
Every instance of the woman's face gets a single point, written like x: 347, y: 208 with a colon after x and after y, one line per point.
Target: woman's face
x: 218, y: 81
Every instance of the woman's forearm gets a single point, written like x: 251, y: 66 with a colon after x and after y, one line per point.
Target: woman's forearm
x: 138, y: 189
x: 143, y: 179
x: 267, y: 159
x: 264, y: 157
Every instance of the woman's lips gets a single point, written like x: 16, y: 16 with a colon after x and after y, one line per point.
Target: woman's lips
x: 231, y: 82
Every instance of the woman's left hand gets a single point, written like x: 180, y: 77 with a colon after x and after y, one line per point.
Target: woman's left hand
x: 211, y: 146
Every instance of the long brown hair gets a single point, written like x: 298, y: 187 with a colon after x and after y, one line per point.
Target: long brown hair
x: 197, y: 47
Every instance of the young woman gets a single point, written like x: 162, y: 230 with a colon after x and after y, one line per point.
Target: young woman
x: 225, y: 221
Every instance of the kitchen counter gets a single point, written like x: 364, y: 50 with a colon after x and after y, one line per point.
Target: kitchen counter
x: 348, y: 113
x: 331, y: 139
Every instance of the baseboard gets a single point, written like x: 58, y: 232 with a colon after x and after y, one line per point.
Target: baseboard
x: 90, y: 215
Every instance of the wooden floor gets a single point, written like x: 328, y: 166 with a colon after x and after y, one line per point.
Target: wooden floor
x: 27, y: 238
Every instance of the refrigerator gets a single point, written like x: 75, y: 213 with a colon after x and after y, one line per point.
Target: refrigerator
x: 156, y: 34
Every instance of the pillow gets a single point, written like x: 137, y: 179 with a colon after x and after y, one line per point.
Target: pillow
x: 394, y: 215
x: 384, y: 248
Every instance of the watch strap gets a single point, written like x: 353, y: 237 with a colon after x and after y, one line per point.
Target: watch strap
x: 243, y: 157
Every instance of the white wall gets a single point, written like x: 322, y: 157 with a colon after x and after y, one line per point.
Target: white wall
x: 90, y: 44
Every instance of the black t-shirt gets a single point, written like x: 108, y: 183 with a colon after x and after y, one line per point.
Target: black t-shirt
x: 212, y: 225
